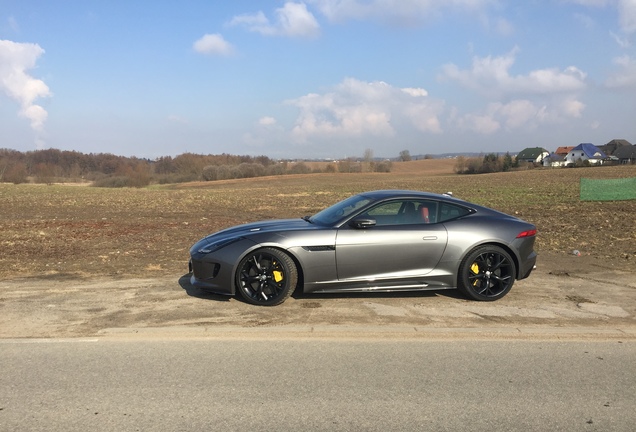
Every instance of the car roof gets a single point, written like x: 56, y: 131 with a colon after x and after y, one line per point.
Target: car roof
x: 391, y: 193
x: 380, y: 195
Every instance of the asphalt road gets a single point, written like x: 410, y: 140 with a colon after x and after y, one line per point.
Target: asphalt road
x: 339, y: 384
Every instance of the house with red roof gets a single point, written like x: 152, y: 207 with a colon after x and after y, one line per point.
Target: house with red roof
x: 557, y: 159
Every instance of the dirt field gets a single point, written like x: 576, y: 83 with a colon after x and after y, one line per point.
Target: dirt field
x: 77, y: 261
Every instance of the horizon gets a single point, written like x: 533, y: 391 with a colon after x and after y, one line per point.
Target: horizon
x: 414, y: 157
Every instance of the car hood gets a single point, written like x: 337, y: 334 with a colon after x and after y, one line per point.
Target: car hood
x: 247, y: 230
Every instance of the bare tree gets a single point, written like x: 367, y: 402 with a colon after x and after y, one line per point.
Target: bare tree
x: 405, y: 155
x: 368, y: 160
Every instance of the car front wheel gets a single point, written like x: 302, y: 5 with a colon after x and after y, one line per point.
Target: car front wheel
x: 266, y: 277
x: 487, y: 273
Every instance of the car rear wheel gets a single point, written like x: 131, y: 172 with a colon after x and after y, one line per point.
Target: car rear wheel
x: 487, y: 273
x: 266, y: 277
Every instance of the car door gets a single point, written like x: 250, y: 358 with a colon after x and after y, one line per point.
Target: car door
x: 405, y: 242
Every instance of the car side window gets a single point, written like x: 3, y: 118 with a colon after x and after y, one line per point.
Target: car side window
x: 451, y: 211
x: 404, y: 212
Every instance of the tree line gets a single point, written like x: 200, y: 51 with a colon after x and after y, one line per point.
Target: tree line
x: 108, y: 170
x: 489, y: 163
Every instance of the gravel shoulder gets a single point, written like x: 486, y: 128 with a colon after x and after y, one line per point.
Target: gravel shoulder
x: 567, y: 297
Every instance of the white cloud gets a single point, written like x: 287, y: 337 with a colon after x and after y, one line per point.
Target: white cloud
x: 266, y: 131
x: 483, y: 124
x: 399, y: 12
x: 591, y: 3
x: 570, y: 107
x: 356, y: 108
x: 254, y: 22
x: 424, y: 116
x: 625, y: 76
x: 626, y: 11
x: 295, y: 20
x: 213, y: 44
x: 627, y: 15
x: 520, y: 114
x: 292, y: 20
x: 522, y: 101
x: 504, y: 27
x: 15, y: 60
x: 491, y: 76
x: 621, y: 41
x: 415, y: 92
x: 267, y: 121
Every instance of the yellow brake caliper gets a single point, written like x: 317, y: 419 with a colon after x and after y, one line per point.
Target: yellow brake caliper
x: 475, y: 269
x: 278, y: 275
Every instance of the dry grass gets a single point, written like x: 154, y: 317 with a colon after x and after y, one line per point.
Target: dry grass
x: 140, y: 232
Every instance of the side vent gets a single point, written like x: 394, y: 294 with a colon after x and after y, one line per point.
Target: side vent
x: 319, y: 248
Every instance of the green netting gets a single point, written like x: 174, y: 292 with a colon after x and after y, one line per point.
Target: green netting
x: 608, y: 189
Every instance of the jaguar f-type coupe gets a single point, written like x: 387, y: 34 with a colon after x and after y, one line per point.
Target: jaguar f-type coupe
x: 381, y: 241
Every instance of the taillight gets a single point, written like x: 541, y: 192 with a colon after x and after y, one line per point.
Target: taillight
x: 529, y: 233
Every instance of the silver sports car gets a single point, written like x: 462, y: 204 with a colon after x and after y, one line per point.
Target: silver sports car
x: 376, y: 241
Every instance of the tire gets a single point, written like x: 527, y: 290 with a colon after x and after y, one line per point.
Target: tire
x: 487, y: 273
x: 266, y: 277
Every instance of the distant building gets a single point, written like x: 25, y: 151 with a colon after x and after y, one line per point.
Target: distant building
x: 613, y: 146
x: 585, y: 152
x: 558, y: 158
x: 626, y: 154
x: 532, y: 154
x: 563, y: 151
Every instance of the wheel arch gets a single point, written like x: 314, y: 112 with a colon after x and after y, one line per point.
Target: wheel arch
x: 294, y: 258
x: 299, y: 266
x: 503, y: 246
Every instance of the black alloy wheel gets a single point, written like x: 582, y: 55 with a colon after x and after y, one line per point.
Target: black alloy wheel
x: 487, y: 273
x: 266, y: 277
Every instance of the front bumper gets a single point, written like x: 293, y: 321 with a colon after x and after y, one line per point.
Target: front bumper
x: 214, y: 271
x: 208, y: 277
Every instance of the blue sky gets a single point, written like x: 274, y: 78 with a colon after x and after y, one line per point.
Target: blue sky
x: 315, y: 78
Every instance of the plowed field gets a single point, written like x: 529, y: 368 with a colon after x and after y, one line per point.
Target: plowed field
x: 65, y: 231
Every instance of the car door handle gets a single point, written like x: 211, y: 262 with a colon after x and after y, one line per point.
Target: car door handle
x: 430, y: 238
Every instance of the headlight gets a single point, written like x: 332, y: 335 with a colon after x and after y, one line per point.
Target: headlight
x: 217, y: 245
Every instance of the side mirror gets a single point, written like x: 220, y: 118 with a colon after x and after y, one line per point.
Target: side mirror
x: 362, y: 223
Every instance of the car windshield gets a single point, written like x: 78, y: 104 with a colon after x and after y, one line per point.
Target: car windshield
x: 331, y: 215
